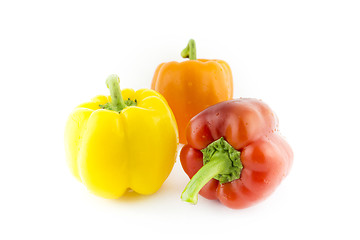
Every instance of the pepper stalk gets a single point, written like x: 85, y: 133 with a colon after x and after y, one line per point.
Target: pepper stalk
x: 117, y: 102
x: 190, y: 50
x: 221, y: 162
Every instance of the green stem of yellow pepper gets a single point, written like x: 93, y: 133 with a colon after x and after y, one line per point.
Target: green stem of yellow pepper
x: 117, y: 102
x: 190, y: 50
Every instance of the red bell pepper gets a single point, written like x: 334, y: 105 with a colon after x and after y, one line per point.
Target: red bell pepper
x: 235, y: 153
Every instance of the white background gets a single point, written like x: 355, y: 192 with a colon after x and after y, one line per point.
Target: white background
x: 301, y: 57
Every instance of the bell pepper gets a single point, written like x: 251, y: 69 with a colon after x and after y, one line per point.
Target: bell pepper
x: 193, y: 85
x: 125, y: 141
x: 235, y: 154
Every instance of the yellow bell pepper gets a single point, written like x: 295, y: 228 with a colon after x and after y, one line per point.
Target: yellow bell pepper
x: 125, y: 141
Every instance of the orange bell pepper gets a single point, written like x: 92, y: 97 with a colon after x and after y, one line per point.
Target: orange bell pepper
x: 191, y: 86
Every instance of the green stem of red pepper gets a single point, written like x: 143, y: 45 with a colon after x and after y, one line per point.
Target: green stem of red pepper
x: 203, y: 176
x: 190, y: 50
x: 221, y: 161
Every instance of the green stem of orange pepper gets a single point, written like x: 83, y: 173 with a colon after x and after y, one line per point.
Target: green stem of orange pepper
x: 190, y: 50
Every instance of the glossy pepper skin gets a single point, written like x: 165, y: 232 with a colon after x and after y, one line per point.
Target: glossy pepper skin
x: 111, y: 150
x: 193, y: 85
x: 250, y: 128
